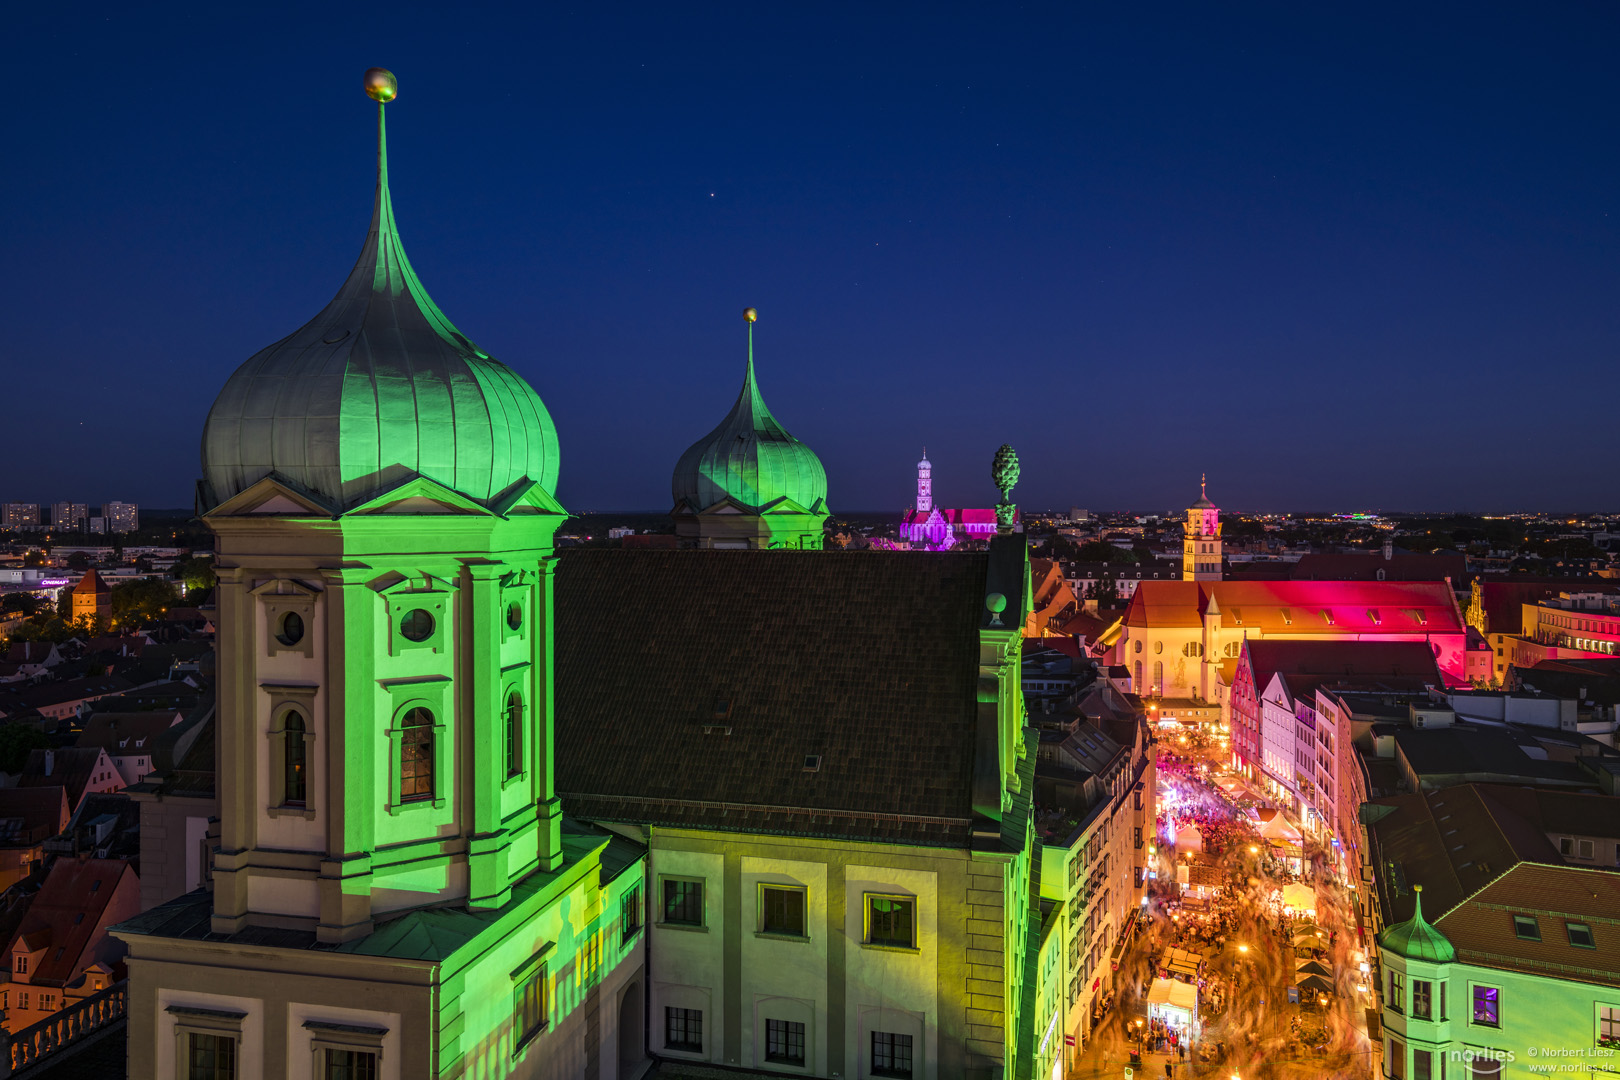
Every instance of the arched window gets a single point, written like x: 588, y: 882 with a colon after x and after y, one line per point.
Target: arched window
x: 416, y: 756
x: 1158, y: 678
x: 514, y: 734
x: 294, y: 760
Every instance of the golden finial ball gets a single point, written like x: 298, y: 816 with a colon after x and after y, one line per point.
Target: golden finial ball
x: 381, y: 85
x: 749, y: 314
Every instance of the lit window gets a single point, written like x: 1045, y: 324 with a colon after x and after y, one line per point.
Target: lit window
x: 416, y: 756
x: 293, y: 760
x: 1487, y: 1006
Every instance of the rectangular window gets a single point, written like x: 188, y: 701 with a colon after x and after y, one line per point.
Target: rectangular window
x: 1487, y: 1006
x: 529, y: 1012
x: 1422, y: 1064
x: 1609, y: 1024
x: 1485, y: 1067
x: 210, y: 1057
x: 1580, y: 935
x: 350, y: 1065
x: 683, y: 1029
x: 784, y: 1042
x: 891, y: 1054
x: 1397, y: 991
x: 1587, y: 849
x: 1397, y: 1058
x: 781, y: 910
x: 891, y: 920
x: 1526, y: 927
x: 630, y: 913
x: 1420, y: 999
x: 683, y: 902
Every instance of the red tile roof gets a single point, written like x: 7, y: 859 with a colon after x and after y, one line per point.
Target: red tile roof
x: 73, y: 887
x: 91, y: 583
x: 1482, y: 930
x: 1299, y: 607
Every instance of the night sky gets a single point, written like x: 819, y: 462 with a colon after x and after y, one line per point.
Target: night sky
x: 1339, y: 258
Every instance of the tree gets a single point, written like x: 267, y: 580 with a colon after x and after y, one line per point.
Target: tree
x: 27, y: 603
x: 1101, y: 551
x: 78, y: 560
x: 195, y: 572
x: 33, y: 557
x: 1106, y: 592
x: 142, y: 601
x: 16, y: 740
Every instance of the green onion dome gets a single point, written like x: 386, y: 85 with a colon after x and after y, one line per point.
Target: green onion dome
x: 1416, y: 939
x: 750, y: 459
x: 377, y: 389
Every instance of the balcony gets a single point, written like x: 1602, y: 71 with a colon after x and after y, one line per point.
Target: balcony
x: 28, y: 1052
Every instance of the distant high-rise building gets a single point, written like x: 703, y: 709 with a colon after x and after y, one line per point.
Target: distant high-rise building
x: 122, y: 517
x: 19, y: 515
x: 98, y: 525
x: 69, y: 515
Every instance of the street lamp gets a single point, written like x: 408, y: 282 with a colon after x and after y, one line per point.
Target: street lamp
x: 1243, y: 948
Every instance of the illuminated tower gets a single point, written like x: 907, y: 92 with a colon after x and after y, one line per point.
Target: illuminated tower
x: 925, y: 485
x: 748, y: 483
x: 1201, y: 547
x: 393, y: 889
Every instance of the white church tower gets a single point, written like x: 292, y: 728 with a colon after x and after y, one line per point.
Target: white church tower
x: 925, y: 485
x: 1201, y: 546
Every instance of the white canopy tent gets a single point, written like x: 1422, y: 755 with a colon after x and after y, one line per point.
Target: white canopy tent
x: 1173, y: 1000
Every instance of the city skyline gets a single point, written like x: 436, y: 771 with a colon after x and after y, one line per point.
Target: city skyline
x: 1135, y: 250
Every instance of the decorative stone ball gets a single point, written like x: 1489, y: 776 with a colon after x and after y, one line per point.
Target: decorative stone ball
x: 381, y: 85
x: 995, y: 602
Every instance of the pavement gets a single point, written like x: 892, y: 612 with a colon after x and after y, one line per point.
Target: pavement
x: 1258, y: 1034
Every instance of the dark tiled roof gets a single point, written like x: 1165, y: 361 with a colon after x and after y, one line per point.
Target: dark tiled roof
x: 692, y: 685
x: 1481, y: 928
x: 73, y: 887
x: 56, y: 693
x: 70, y: 768
x: 39, y: 813
x: 1481, y: 753
x: 1402, y: 566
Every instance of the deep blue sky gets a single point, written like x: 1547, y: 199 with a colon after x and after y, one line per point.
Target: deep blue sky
x: 1339, y: 257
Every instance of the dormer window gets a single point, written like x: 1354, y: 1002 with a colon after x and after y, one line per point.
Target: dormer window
x: 19, y: 963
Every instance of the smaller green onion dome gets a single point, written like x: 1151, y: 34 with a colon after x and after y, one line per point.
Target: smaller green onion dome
x: 750, y: 459
x: 1415, y: 939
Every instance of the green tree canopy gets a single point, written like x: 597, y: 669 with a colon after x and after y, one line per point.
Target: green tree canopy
x: 16, y: 740
x: 142, y: 601
x: 195, y: 572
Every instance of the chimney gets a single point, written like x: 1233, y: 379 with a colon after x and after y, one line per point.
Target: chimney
x: 50, y: 762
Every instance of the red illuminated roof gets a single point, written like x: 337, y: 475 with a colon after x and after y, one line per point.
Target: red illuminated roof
x: 1300, y: 607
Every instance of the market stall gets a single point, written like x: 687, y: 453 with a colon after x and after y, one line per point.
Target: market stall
x: 1299, y: 899
x: 1174, y: 1002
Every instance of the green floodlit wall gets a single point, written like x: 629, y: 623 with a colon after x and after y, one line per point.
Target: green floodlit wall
x: 1538, y: 1013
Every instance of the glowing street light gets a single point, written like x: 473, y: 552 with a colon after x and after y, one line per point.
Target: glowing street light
x: 1243, y: 948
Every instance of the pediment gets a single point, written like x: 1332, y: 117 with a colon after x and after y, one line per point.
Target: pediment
x: 419, y: 495
x: 274, y: 495
x: 526, y: 497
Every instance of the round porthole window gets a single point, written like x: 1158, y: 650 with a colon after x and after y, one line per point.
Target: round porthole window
x: 514, y: 616
x: 290, y: 630
x: 417, y: 625
x: 1158, y: 647
x: 1138, y: 645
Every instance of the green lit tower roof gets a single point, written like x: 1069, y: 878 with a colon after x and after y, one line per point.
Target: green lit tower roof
x: 1416, y: 939
x: 377, y: 389
x: 749, y: 459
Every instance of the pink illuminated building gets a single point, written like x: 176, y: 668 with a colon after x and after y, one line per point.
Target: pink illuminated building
x: 927, y: 526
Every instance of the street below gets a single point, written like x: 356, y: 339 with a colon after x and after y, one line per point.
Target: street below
x: 1245, y: 961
